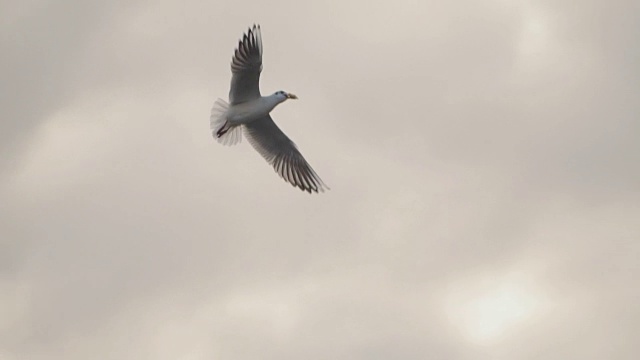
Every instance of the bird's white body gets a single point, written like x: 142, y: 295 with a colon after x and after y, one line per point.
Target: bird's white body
x: 252, y: 110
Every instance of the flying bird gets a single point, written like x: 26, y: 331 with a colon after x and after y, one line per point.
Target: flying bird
x: 248, y: 112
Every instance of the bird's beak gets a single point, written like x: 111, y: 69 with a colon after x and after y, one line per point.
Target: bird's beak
x: 291, y: 96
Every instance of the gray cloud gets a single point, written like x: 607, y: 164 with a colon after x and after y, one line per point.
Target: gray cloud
x: 481, y: 158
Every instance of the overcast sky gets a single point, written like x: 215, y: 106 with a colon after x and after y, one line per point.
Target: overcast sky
x: 483, y: 159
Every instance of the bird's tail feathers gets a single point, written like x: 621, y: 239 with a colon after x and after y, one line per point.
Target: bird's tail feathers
x: 221, y: 129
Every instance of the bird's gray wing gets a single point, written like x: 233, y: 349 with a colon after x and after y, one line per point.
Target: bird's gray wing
x: 279, y: 151
x: 246, y: 66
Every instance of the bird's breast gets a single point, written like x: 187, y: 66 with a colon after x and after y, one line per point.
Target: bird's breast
x: 249, y: 111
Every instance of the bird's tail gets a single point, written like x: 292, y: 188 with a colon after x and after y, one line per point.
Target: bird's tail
x: 221, y: 129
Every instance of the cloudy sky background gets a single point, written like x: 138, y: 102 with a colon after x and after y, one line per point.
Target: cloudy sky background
x: 482, y: 158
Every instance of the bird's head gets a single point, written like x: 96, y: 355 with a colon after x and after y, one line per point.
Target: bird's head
x: 283, y: 95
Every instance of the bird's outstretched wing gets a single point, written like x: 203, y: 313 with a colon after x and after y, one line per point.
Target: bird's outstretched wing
x: 279, y: 151
x: 246, y: 66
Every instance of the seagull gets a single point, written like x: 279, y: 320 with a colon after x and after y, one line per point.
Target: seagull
x: 247, y: 111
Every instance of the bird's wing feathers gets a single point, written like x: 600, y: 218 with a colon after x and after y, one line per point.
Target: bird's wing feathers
x: 279, y: 151
x: 246, y: 66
